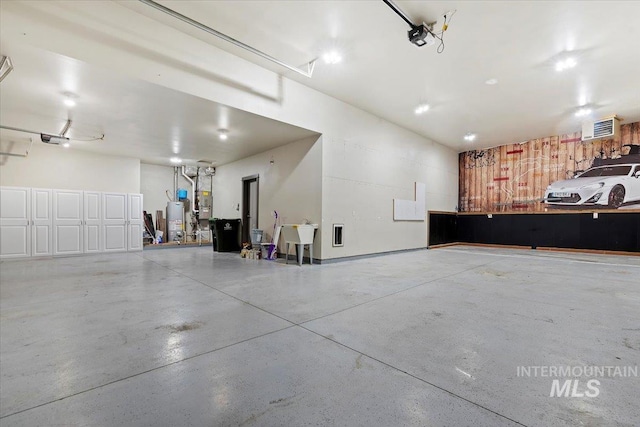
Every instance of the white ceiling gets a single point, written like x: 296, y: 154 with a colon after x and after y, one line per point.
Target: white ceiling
x: 138, y: 119
x: 514, y: 42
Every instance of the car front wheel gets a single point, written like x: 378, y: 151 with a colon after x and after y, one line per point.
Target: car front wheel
x: 616, y: 197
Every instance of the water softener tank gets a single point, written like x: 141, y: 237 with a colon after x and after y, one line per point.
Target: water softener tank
x: 175, y: 221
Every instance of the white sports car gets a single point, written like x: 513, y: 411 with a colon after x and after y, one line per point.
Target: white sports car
x: 611, y: 186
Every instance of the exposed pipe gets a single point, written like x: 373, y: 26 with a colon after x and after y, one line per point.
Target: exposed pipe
x: 19, y: 130
x: 14, y: 154
x: 5, y: 60
x: 196, y: 199
x: 161, y: 8
x: 175, y: 183
x: 19, y: 154
x: 197, y: 206
x: 193, y: 184
x: 66, y: 128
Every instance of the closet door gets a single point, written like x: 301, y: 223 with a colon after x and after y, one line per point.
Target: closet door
x: 67, y: 222
x: 92, y: 222
x: 42, y: 222
x: 114, y: 222
x: 15, y: 216
x: 135, y: 222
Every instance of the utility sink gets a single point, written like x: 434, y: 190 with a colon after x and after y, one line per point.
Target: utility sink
x: 299, y: 235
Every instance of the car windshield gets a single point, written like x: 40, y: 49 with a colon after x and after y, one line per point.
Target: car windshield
x: 607, y: 171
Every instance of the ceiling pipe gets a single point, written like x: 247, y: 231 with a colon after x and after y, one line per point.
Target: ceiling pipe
x: 19, y: 154
x: 310, y: 65
x: 66, y: 128
x: 6, y: 66
x: 19, y: 130
x: 47, y: 138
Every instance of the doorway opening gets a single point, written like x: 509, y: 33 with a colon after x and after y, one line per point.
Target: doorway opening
x: 249, y: 205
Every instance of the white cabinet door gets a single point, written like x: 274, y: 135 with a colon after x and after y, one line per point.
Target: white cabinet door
x: 114, y: 222
x: 67, y: 222
x: 92, y: 222
x: 42, y: 222
x: 135, y: 222
x: 15, y: 215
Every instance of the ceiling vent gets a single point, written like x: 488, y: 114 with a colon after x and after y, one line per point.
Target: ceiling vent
x: 607, y: 128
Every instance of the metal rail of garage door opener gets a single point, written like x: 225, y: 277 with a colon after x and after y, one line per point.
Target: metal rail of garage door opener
x: 310, y: 65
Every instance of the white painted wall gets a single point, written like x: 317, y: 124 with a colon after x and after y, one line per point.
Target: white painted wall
x: 292, y: 185
x: 50, y: 166
x: 364, y: 173
x: 366, y: 161
x: 154, y: 181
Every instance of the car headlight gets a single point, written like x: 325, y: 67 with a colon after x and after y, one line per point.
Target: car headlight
x: 595, y: 198
x: 594, y: 186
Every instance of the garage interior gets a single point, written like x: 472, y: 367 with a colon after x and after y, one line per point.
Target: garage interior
x: 467, y: 175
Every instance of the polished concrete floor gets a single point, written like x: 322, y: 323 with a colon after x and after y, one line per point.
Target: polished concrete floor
x: 181, y: 337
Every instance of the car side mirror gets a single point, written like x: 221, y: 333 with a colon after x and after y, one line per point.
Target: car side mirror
x: 637, y: 174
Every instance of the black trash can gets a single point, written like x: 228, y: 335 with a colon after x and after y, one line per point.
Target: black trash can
x: 227, y: 235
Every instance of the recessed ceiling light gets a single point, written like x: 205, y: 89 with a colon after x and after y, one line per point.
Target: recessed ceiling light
x: 470, y: 137
x: 175, y: 160
x: 66, y: 145
x: 69, y: 102
x: 332, y: 57
x: 492, y: 81
x: 565, y: 64
x: 421, y: 109
x: 223, y: 134
x: 583, y: 111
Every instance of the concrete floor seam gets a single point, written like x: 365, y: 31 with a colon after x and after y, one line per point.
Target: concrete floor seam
x: 414, y: 376
x: 329, y: 314
x: 366, y: 355
x: 396, y: 293
x: 146, y: 372
x: 486, y: 314
x: 223, y: 292
x: 326, y: 315
x: 539, y: 257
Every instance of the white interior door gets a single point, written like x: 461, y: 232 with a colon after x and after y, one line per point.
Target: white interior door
x: 135, y: 222
x: 92, y: 222
x: 67, y: 222
x: 15, y: 215
x: 42, y: 222
x: 114, y: 222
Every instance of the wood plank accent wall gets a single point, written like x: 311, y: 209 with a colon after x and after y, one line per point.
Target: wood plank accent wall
x: 514, y: 177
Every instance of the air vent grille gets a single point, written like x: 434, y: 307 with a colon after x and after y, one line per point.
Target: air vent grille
x: 606, y: 128
x: 603, y: 128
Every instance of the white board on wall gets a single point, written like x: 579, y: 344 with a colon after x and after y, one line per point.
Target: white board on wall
x: 411, y: 210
